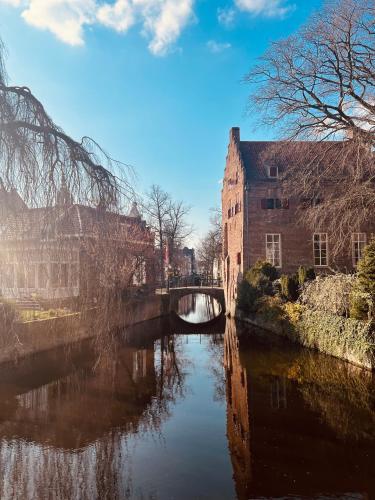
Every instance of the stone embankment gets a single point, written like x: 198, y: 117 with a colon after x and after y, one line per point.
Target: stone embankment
x: 31, y: 337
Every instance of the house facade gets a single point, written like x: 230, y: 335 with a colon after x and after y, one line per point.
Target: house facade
x: 261, y: 223
x: 72, y: 251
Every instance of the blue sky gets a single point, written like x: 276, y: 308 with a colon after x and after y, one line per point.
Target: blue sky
x: 156, y: 82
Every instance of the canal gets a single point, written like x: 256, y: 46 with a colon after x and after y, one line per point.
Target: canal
x: 171, y: 410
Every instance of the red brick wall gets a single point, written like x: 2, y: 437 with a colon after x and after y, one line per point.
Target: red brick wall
x: 245, y: 232
x: 233, y: 225
x: 296, y: 240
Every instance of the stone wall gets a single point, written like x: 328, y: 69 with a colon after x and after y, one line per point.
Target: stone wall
x: 42, y: 335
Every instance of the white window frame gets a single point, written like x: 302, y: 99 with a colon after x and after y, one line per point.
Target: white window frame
x: 269, y: 172
x: 320, y: 249
x: 358, y: 239
x: 273, y: 239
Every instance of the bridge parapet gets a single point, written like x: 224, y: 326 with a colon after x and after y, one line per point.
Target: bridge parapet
x: 176, y: 294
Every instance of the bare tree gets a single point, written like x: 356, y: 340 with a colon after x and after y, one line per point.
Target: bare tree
x: 52, y: 172
x: 319, y: 86
x: 177, y: 228
x: 158, y: 207
x: 210, y: 246
x: 38, y: 158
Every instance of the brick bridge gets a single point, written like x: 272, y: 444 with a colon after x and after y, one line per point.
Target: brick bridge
x: 175, y: 294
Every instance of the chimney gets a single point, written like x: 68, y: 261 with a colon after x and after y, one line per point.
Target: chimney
x: 234, y: 135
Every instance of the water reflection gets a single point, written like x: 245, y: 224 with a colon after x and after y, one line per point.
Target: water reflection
x: 165, y: 416
x: 299, y: 423
x: 198, y: 308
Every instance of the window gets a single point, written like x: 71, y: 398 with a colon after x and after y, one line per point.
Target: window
x: 54, y: 275
x: 273, y: 172
x: 239, y: 258
x: 74, y: 275
x: 320, y: 249
x: 273, y: 249
x: 311, y: 202
x: 20, y: 276
x: 271, y: 203
x: 358, y: 244
x: 64, y: 275
x: 31, y: 276
x: 229, y: 213
x: 7, y: 275
x: 268, y: 203
x: 42, y: 276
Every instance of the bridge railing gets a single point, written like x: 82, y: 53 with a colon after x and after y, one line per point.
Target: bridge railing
x: 194, y: 280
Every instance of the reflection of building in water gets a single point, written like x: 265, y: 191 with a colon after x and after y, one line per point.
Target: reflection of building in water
x: 238, y: 414
x: 84, y: 404
x: 198, y: 308
x: 292, y: 416
x: 278, y: 393
x: 187, y: 304
x: 73, y: 430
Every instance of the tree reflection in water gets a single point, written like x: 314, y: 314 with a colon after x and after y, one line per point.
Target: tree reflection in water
x: 147, y: 420
x: 74, y: 436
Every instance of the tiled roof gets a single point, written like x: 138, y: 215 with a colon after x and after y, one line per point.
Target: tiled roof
x: 10, y: 202
x: 75, y: 220
x: 257, y: 155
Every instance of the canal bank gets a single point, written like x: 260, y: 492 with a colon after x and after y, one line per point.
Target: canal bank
x: 27, y: 338
x: 344, y: 338
x: 31, y: 337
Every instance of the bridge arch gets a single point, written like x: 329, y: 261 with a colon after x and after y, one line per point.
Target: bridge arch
x: 175, y: 294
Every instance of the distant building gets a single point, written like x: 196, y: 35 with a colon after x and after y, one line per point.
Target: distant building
x: 188, y: 261
x: 260, y: 222
x: 71, y: 250
x: 217, y: 273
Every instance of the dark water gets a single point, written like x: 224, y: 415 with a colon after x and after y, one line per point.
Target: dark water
x: 164, y: 415
x: 198, y: 308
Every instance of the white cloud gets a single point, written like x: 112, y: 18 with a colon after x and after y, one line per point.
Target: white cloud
x: 64, y: 18
x: 226, y: 16
x: 269, y: 8
x: 120, y: 16
x: 13, y: 3
x: 217, y: 47
x: 162, y: 21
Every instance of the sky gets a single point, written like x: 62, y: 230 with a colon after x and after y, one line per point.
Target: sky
x: 157, y: 83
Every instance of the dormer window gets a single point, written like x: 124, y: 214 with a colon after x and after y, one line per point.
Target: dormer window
x: 273, y: 172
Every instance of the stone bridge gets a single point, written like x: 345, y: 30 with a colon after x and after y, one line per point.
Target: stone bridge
x: 175, y: 294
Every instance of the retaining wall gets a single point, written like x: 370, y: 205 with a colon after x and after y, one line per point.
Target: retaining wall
x: 41, y: 335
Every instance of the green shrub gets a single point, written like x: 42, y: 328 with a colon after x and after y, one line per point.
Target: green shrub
x: 329, y: 293
x: 344, y: 338
x: 261, y: 275
x: 359, y: 304
x: 305, y: 274
x: 246, y: 297
x: 289, y: 287
x: 366, y: 275
x: 294, y: 312
x: 270, y: 309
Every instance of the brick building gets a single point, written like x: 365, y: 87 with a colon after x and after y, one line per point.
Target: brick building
x: 260, y: 223
x: 70, y: 250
